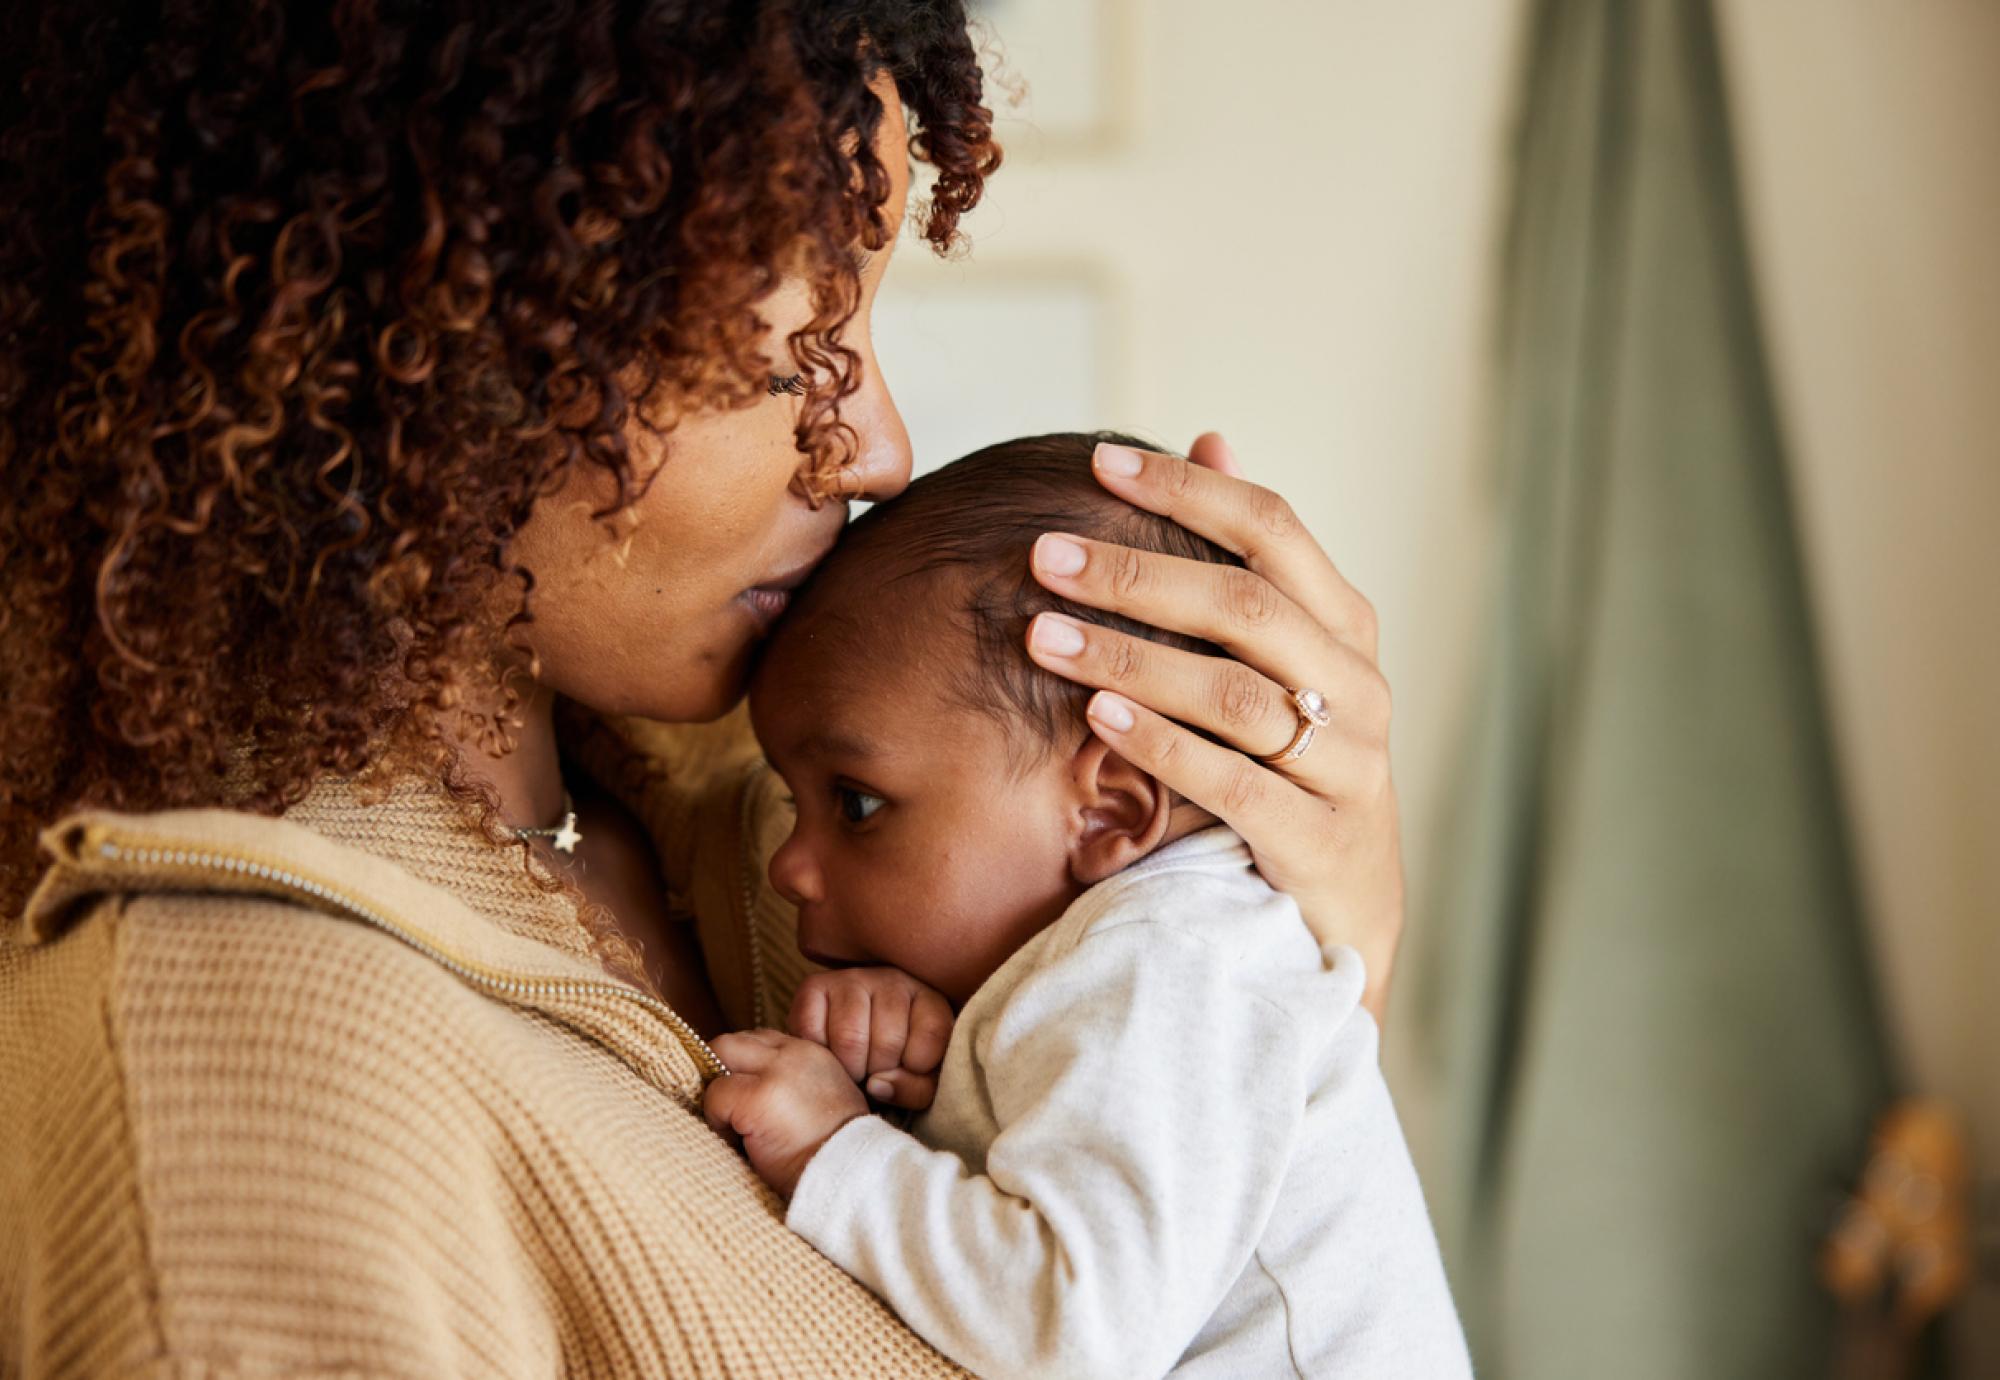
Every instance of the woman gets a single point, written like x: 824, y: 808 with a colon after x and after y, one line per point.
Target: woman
x: 410, y: 411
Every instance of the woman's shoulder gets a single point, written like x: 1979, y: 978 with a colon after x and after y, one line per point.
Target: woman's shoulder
x: 220, y: 1000
x: 273, y: 1114
x: 198, y: 1076
x: 211, y: 929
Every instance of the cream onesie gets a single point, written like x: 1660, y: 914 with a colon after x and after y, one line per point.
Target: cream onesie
x: 1161, y: 1143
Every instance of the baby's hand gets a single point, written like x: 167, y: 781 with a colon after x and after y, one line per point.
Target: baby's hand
x: 887, y: 1029
x: 784, y: 1097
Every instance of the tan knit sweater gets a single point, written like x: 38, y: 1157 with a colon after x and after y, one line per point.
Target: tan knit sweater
x: 343, y: 1093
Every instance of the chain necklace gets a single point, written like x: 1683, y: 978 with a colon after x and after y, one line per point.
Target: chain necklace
x: 564, y: 835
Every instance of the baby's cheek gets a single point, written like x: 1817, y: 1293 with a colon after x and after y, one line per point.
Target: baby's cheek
x: 913, y: 927
x: 908, y: 934
x: 873, y: 912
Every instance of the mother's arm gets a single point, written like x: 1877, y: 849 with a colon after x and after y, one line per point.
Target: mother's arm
x: 1323, y: 827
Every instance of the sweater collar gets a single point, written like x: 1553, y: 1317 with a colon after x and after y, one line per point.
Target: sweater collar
x: 477, y: 887
x: 401, y: 858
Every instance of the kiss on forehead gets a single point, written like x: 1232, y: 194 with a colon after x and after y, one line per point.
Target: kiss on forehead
x: 951, y: 799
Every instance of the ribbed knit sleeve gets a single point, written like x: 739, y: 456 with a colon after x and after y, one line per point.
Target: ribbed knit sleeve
x: 237, y: 1176
x: 74, y: 1295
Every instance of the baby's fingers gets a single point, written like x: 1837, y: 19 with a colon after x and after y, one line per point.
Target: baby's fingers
x: 849, y: 1027
x: 724, y: 1101
x: 930, y: 1032
x: 899, y: 1087
x: 889, y: 1031
x: 872, y: 1020
x: 809, y: 1009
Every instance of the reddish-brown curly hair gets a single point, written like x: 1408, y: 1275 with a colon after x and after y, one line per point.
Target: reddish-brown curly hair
x: 302, y: 307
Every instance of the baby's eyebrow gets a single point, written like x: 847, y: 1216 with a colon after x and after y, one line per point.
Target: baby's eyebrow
x: 829, y: 743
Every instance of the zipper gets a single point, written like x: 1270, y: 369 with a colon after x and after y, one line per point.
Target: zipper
x: 748, y: 856
x: 124, y: 850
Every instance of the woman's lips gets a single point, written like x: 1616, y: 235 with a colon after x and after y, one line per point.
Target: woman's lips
x: 769, y: 599
x: 765, y: 603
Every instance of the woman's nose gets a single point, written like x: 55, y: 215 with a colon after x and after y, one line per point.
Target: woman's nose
x: 794, y: 875
x: 881, y: 469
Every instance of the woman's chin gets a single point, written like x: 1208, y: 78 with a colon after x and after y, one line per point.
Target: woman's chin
x: 690, y: 689
x: 714, y: 685
x: 703, y: 702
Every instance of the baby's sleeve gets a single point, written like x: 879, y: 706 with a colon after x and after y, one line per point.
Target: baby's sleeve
x: 1149, y: 1103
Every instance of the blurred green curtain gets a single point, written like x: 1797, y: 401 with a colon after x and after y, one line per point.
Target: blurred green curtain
x: 1640, y: 984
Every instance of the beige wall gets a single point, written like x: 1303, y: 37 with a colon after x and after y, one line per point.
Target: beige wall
x: 1870, y: 139
x: 1294, y: 243
x: 1291, y: 247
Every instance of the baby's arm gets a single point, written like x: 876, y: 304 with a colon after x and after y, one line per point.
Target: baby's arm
x: 1149, y: 1106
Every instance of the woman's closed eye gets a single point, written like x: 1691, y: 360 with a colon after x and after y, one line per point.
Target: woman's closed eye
x: 794, y: 384
x: 856, y: 806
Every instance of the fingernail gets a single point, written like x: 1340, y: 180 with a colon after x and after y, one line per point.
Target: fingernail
x: 881, y: 1089
x: 1111, y: 711
x: 1056, y: 635
x: 1119, y: 460
x: 1056, y: 555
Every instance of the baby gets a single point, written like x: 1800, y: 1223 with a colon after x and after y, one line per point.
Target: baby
x: 1160, y: 1138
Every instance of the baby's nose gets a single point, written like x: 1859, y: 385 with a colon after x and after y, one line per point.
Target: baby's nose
x: 794, y: 875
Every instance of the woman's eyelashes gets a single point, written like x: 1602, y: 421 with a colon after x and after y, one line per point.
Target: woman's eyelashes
x: 794, y: 384
x: 856, y: 806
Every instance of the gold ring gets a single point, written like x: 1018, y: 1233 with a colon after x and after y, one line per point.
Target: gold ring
x: 1310, y: 706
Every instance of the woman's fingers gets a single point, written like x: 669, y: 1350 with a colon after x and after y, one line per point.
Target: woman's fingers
x: 1218, y: 694
x: 1211, y: 452
x: 1254, y: 800
x: 1225, y: 604
x: 1251, y: 521
x: 1323, y: 827
x: 1251, y: 799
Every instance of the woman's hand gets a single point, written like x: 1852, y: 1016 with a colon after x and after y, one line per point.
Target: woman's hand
x: 1323, y: 826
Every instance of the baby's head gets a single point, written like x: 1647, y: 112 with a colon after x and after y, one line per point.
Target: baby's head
x: 951, y: 798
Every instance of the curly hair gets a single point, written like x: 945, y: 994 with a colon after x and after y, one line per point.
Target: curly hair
x: 302, y: 307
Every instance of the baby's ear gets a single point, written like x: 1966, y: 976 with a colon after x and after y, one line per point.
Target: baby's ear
x: 1122, y: 813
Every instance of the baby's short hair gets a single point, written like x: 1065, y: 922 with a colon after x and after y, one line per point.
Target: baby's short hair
x: 973, y: 522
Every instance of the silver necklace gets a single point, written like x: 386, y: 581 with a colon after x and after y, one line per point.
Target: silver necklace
x: 564, y: 835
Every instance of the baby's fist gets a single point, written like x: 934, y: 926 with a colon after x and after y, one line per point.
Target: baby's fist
x: 888, y: 1030
x: 784, y: 1097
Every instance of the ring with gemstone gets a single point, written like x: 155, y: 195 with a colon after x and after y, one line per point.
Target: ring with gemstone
x: 1310, y: 706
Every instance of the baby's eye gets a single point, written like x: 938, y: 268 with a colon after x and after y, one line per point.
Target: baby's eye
x: 856, y: 806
